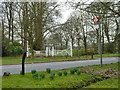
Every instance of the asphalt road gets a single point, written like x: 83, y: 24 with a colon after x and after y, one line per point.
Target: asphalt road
x: 55, y: 65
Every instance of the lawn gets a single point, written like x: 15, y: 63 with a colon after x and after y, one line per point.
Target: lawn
x: 109, y: 83
x: 18, y: 60
x: 69, y: 81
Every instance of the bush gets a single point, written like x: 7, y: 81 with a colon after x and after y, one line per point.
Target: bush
x: 59, y: 73
x: 52, y: 76
x: 75, y: 69
x: 4, y: 51
x: 20, y: 72
x: 16, y: 44
x: 35, y: 76
x: 33, y: 71
x: 42, y: 76
x: 65, y: 73
x: 75, y: 52
x: 110, y: 47
x: 15, y: 50
x: 82, y: 51
x: 48, y: 70
x: 78, y: 72
x: 72, y: 71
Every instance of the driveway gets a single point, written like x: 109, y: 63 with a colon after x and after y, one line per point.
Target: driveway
x: 55, y: 65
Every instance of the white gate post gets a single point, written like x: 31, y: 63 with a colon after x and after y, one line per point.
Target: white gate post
x: 52, y: 51
x: 27, y: 50
x: 46, y: 51
x: 71, y: 49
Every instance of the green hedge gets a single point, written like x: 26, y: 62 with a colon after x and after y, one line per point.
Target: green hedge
x: 110, y: 48
x: 82, y: 51
x: 15, y: 50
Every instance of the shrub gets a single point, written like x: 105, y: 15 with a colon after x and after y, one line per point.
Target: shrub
x: 59, y: 73
x: 48, y: 70
x: 72, y: 71
x: 16, y: 44
x: 75, y: 69
x: 15, y: 50
x: 42, y: 76
x: 33, y: 71
x: 78, y: 72
x: 20, y: 72
x: 75, y: 52
x: 82, y: 51
x: 65, y: 73
x: 35, y: 75
x: 52, y: 76
x: 4, y: 51
x: 110, y: 47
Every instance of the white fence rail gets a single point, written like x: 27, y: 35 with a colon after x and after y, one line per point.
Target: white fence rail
x: 56, y: 53
x: 50, y: 51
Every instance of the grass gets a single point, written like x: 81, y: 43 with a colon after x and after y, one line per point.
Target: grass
x: 109, y: 83
x: 18, y: 60
x: 19, y: 81
x: 108, y: 55
x: 14, y: 60
x: 69, y: 81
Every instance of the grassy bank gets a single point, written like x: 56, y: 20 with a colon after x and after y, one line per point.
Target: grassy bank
x: 109, y: 83
x: 70, y: 81
x: 18, y: 60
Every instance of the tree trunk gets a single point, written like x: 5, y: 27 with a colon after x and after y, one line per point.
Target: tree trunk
x: 12, y: 30
x: 72, y: 42
x: 84, y: 40
x: 116, y: 34
x: 106, y: 30
x: 66, y: 44
x: 32, y: 53
x: 3, y: 36
x: 25, y: 16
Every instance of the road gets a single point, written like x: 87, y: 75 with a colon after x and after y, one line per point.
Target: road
x: 55, y: 65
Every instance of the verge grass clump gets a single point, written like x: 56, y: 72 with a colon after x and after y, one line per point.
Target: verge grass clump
x: 20, y: 72
x: 59, y: 73
x: 35, y: 76
x: 33, y: 71
x: 75, y: 69
x: 42, y: 76
x: 78, y: 72
x: 72, y: 71
x: 48, y: 70
x: 52, y: 76
x: 65, y: 73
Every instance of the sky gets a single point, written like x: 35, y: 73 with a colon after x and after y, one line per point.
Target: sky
x: 66, y: 9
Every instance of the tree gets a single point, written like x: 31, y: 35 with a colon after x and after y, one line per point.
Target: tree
x: 35, y: 19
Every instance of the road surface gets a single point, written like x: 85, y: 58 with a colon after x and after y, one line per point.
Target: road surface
x: 55, y: 65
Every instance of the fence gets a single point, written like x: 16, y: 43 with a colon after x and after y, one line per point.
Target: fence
x: 56, y: 53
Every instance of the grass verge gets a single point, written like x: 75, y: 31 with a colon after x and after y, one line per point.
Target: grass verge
x: 18, y: 60
x: 109, y: 83
x: 69, y: 81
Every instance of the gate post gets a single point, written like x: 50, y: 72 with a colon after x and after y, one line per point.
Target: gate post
x: 52, y: 51
x: 46, y: 51
x: 71, y: 49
